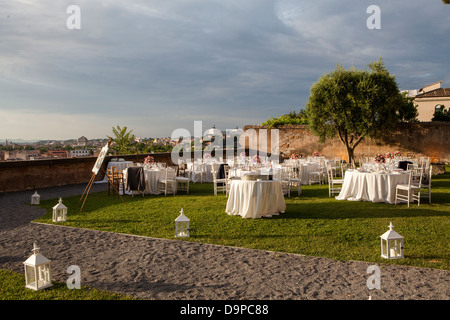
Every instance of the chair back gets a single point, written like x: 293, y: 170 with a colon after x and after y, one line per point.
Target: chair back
x: 415, y: 177
x: 171, y: 174
x: 110, y: 172
x: 174, y: 168
x: 285, y: 174
x: 226, y: 169
x: 215, y: 167
x: 426, y: 179
x: 322, y: 164
x: 329, y: 171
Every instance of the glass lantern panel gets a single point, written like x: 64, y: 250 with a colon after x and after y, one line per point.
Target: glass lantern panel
x: 182, y: 229
x: 384, y: 249
x: 60, y: 215
x: 44, y: 276
x: 30, y: 278
x: 394, y: 249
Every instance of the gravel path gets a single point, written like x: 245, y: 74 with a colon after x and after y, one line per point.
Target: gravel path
x: 160, y: 269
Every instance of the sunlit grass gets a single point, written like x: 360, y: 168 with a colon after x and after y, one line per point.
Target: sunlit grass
x: 12, y: 287
x: 313, y: 224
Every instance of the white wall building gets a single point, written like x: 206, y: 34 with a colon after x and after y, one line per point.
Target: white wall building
x: 80, y: 153
x: 430, y: 98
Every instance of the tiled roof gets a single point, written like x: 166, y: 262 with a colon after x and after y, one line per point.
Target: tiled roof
x: 442, y: 92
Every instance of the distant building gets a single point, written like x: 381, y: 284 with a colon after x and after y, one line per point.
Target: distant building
x: 80, y: 153
x: 58, y: 153
x: 82, y: 141
x: 21, y: 155
x: 429, y: 99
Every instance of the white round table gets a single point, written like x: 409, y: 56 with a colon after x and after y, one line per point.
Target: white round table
x: 371, y: 186
x: 151, y: 180
x: 209, y: 167
x: 255, y: 199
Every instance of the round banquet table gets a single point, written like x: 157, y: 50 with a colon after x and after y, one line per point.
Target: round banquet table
x: 151, y: 180
x: 371, y: 186
x: 255, y: 199
x: 209, y: 168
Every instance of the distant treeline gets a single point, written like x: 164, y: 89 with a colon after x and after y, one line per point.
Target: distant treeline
x: 290, y: 118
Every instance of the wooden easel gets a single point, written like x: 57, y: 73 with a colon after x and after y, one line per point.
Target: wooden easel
x: 88, y: 188
x: 97, y: 166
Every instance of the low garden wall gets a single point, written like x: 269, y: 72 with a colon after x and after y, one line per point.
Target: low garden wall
x: 33, y: 174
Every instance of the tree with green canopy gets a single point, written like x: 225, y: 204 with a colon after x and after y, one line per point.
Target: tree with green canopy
x: 286, y: 119
x: 124, y: 141
x: 441, y: 114
x: 355, y: 104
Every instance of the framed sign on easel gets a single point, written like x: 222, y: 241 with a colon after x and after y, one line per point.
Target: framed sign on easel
x: 98, y: 165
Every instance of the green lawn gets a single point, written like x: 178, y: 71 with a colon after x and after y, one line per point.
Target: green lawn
x: 12, y: 287
x: 313, y: 224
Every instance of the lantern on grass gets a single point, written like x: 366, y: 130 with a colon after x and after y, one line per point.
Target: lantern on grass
x: 37, y: 271
x: 182, y: 225
x: 35, y: 198
x: 391, y: 244
x: 59, y: 212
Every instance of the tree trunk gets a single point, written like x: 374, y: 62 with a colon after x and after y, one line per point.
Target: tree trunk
x: 351, y: 156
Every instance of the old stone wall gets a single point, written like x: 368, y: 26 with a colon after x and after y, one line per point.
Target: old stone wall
x: 27, y: 175
x: 430, y: 139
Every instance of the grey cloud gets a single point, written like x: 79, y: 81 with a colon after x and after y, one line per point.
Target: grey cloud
x: 167, y: 63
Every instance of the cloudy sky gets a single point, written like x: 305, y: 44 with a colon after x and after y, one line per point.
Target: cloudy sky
x: 158, y: 65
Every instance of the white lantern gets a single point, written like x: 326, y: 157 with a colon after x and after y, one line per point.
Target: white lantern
x: 37, y: 271
x: 59, y: 212
x: 391, y: 244
x: 35, y: 198
x: 182, y: 225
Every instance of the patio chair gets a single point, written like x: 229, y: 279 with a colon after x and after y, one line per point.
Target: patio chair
x: 317, y: 176
x: 426, y: 183
x: 183, y: 182
x: 285, y: 181
x: 220, y: 184
x: 295, y: 179
x: 115, y: 179
x: 410, y: 191
x: 198, y: 169
x: 334, y: 185
x: 169, y: 183
x: 181, y: 168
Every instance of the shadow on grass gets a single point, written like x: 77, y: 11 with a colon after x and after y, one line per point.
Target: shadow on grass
x: 358, y: 210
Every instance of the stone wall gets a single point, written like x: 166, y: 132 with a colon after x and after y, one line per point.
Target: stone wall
x: 34, y: 174
x: 430, y: 139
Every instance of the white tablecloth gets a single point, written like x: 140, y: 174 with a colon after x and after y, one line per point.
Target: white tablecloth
x: 371, y: 186
x: 208, y: 167
x: 255, y: 199
x: 151, y: 180
x: 237, y: 173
